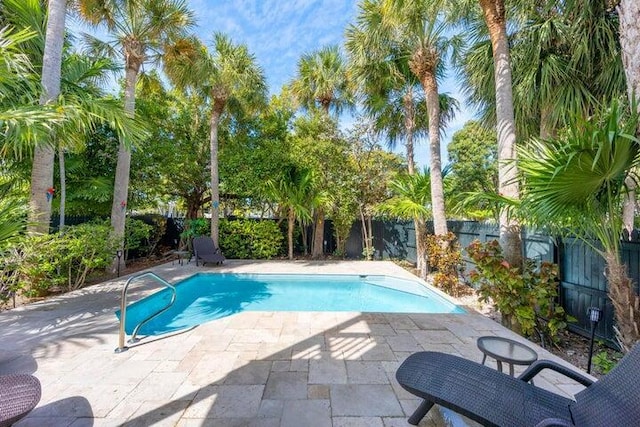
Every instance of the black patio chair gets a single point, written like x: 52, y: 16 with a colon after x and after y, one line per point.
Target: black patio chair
x: 496, y: 399
x: 205, y: 250
x: 19, y: 394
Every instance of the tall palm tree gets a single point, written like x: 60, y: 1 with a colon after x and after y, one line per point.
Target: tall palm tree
x: 494, y: 13
x: 44, y: 153
x: 577, y: 184
x: 82, y: 79
x: 322, y: 82
x: 417, y: 34
x: 294, y: 192
x: 230, y: 78
x: 140, y: 31
x: 393, y: 95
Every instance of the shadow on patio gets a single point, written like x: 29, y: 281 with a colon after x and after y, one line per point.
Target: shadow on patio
x: 341, y: 376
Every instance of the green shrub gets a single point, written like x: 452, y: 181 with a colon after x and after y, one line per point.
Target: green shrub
x: 10, y: 261
x: 65, y: 260
x: 525, y: 297
x: 603, y: 363
x: 194, y: 228
x: 149, y: 244
x: 248, y: 239
x: 444, y: 256
x: 136, y: 236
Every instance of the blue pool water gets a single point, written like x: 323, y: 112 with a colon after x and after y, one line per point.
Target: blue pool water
x: 204, y: 297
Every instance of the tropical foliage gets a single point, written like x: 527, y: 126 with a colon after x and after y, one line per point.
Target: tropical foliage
x: 216, y: 143
x: 577, y: 182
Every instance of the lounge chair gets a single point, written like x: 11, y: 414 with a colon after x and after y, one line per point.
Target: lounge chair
x: 496, y: 399
x: 205, y: 250
x: 19, y: 394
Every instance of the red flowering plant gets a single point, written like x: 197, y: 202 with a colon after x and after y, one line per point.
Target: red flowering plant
x: 524, y: 295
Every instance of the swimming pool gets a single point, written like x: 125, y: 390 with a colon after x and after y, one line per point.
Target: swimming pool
x: 207, y: 296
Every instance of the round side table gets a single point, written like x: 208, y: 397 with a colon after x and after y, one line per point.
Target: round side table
x: 507, y: 351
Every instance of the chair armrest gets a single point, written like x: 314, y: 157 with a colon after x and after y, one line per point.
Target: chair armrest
x: 539, y: 365
x: 555, y: 422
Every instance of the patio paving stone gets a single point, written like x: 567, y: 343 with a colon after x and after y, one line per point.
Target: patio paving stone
x: 298, y: 413
x: 366, y: 373
x: 249, y: 369
x: 327, y: 371
x: 286, y: 385
x: 364, y: 400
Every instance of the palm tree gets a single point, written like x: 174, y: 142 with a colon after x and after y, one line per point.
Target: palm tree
x: 44, y: 154
x: 565, y: 60
x: 80, y: 103
x: 577, y: 184
x: 140, y: 30
x: 494, y: 13
x: 322, y: 82
x: 411, y: 200
x: 229, y: 77
x: 82, y: 78
x: 295, y: 193
x: 392, y: 95
x: 417, y: 34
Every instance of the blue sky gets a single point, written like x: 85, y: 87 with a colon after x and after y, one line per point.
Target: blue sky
x: 279, y: 32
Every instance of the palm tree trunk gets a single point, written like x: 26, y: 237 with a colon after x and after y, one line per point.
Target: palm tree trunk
x: 215, y: 177
x: 421, y: 250
x: 409, y: 125
x: 43, y: 153
x: 63, y: 188
x: 318, y: 235
x: 291, y: 224
x: 629, y: 16
x: 437, y: 188
x: 625, y: 302
x: 123, y: 165
x: 494, y: 15
x: 366, y: 238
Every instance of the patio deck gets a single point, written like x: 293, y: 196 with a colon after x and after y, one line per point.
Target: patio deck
x: 249, y: 369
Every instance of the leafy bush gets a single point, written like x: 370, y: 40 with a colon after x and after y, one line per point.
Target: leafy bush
x: 444, y: 256
x: 248, y: 239
x: 149, y: 243
x: 525, y: 297
x: 136, y: 235
x: 194, y: 228
x: 65, y: 260
x: 10, y: 261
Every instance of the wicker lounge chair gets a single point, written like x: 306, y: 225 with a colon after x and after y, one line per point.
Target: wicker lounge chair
x: 19, y: 394
x: 496, y: 399
x: 205, y: 250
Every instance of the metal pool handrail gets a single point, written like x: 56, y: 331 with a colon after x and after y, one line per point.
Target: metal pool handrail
x: 123, y: 309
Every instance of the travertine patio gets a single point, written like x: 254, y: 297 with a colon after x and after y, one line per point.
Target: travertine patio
x: 248, y: 369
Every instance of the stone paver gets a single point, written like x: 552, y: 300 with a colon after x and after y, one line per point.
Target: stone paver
x: 262, y: 369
